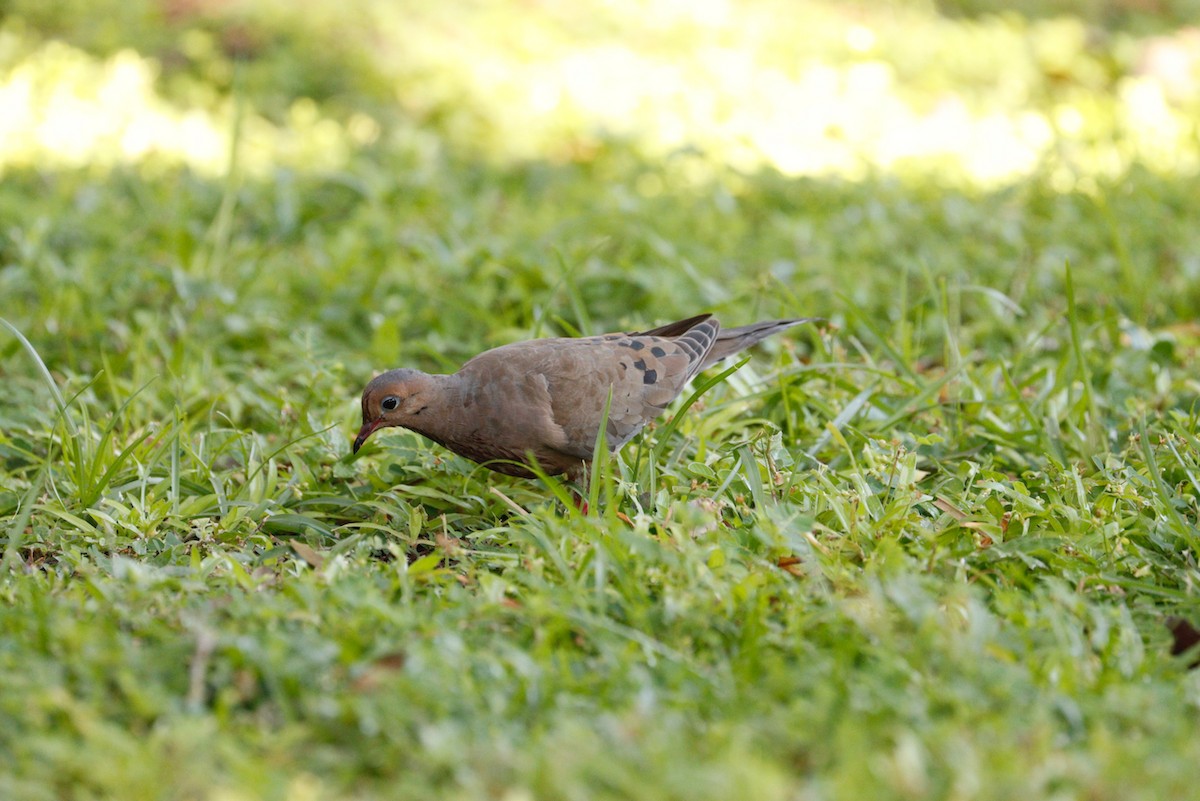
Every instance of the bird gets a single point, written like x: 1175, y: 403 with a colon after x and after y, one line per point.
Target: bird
x: 540, y: 403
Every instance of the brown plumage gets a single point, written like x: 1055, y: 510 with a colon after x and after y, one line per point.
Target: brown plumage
x: 542, y: 401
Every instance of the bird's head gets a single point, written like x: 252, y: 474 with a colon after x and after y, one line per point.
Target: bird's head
x: 395, y: 398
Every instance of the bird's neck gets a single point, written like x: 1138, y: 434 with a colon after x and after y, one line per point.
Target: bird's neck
x: 441, y: 419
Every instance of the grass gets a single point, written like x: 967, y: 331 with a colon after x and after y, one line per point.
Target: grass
x: 924, y: 551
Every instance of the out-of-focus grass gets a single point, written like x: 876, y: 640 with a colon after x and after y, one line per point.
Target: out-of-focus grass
x: 806, y: 89
x: 923, y: 552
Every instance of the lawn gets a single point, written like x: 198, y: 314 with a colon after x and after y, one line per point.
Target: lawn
x: 926, y: 549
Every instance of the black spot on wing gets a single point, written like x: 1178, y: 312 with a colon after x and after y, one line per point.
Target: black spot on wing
x: 657, y: 351
x: 650, y: 377
x: 636, y: 344
x: 640, y: 364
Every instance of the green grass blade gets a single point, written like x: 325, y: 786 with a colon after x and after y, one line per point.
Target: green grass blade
x: 48, y: 379
x: 667, y: 432
x: 20, y: 521
x: 1095, y: 437
x: 601, y: 473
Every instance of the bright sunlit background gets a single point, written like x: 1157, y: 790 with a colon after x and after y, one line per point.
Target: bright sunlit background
x: 984, y: 97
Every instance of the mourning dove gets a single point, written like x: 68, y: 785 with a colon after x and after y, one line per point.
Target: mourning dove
x: 542, y: 401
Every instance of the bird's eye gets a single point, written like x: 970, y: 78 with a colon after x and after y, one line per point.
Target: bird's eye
x: 390, y: 403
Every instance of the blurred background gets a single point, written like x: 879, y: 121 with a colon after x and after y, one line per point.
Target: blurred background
x: 975, y: 93
x: 357, y: 183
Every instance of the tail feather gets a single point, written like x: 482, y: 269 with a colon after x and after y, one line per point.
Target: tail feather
x: 732, y: 340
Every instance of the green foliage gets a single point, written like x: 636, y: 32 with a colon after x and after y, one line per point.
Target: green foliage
x: 923, y: 551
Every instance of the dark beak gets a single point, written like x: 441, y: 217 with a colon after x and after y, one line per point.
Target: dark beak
x: 367, y: 430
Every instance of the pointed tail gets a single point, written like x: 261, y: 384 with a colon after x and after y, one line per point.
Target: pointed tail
x: 731, y: 340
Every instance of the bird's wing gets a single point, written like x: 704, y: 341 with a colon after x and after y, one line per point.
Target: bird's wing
x: 644, y: 371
